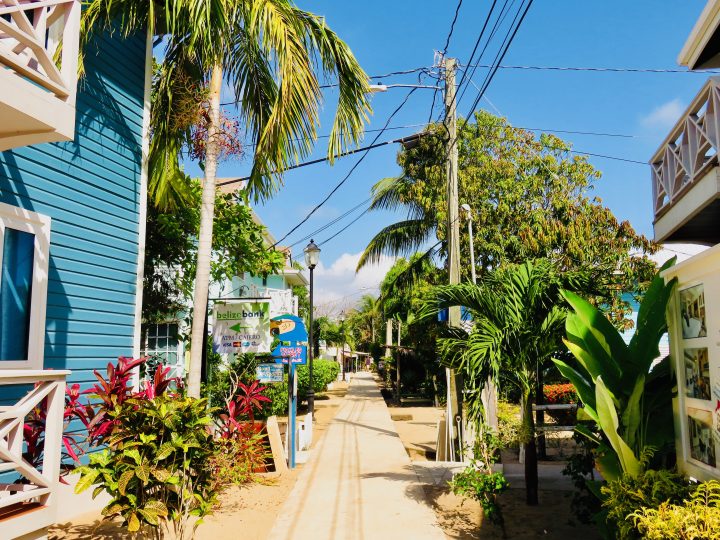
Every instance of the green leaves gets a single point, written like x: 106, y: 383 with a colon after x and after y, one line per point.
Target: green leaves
x: 157, y: 467
x: 609, y: 423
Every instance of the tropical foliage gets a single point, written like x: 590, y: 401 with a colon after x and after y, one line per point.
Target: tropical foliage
x: 530, y: 199
x: 696, y: 518
x: 621, y: 391
x: 517, y: 326
x: 271, y: 53
x: 156, y: 467
x: 624, y: 496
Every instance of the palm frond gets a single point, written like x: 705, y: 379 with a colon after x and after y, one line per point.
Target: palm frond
x: 411, y: 275
x: 402, y: 238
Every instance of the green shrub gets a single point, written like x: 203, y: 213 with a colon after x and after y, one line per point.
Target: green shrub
x: 509, y: 425
x: 626, y: 495
x: 697, y: 518
x: 324, y: 372
x: 278, y: 394
x: 157, y: 465
x: 483, y: 487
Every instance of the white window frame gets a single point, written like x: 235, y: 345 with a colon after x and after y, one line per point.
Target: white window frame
x: 38, y: 225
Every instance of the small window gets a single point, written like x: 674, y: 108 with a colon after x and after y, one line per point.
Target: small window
x: 24, y: 252
x: 15, y: 293
x: 162, y: 344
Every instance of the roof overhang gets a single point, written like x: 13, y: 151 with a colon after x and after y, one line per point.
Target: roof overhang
x: 702, y: 47
x: 294, y: 277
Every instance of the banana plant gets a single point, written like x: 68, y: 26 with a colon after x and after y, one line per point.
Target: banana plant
x: 628, y: 397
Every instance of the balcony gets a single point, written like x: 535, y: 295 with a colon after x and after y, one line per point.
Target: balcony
x: 38, y: 71
x: 28, y: 505
x: 686, y: 176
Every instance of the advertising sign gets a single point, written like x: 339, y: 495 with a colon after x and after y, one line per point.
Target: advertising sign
x: 290, y: 354
x: 241, y: 327
x: 269, y: 373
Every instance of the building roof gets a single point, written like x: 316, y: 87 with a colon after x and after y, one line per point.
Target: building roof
x: 702, y: 47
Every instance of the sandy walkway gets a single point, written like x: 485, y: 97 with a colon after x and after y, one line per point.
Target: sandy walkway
x: 360, y: 484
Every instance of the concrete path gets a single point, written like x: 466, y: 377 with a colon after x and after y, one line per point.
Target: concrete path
x: 359, y: 483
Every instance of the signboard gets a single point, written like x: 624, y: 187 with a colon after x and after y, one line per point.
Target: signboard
x: 289, y: 328
x: 269, y: 373
x: 290, y: 354
x: 241, y: 327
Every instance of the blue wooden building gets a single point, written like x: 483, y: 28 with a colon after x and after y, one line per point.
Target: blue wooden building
x: 72, y: 226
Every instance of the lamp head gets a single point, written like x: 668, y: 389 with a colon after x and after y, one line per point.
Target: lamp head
x: 466, y: 208
x: 312, y: 255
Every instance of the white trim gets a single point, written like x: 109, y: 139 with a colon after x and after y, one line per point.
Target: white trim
x: 38, y: 225
x: 701, y: 33
x: 142, y: 218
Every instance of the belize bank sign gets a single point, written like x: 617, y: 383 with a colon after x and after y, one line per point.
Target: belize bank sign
x: 242, y: 327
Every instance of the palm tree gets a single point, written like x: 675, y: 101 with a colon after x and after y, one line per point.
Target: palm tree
x: 270, y: 53
x: 518, y: 319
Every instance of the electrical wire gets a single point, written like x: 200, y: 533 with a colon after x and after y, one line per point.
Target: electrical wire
x: 352, y: 170
x: 452, y: 27
x: 601, y: 69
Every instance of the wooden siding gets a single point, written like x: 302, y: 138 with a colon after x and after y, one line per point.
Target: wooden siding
x: 90, y: 187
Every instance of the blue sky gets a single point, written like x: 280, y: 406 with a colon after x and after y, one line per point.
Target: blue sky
x: 391, y: 36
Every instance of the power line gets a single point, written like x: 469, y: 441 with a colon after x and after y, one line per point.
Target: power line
x: 504, y: 48
x: 352, y: 170
x: 599, y: 69
x: 452, y: 27
x: 545, y: 68
x: 498, y: 21
x: 322, y: 160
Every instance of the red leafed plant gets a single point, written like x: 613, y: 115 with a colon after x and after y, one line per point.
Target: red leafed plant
x: 34, y: 427
x: 243, y: 443
x: 560, y: 393
x: 248, y: 399
x: 116, y: 389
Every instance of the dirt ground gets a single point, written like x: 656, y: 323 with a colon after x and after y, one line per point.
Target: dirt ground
x: 240, y: 506
x: 462, y: 519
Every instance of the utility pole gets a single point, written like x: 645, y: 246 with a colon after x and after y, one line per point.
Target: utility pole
x: 453, y: 237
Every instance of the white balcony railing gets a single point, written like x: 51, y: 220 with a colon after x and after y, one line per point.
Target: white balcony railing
x: 39, y: 42
x: 31, y: 32
x: 29, y: 504
x: 690, y: 149
x: 686, y: 176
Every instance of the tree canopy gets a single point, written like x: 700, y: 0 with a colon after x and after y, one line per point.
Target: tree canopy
x: 171, y: 251
x: 530, y: 199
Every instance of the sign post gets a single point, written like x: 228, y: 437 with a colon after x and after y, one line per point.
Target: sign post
x: 292, y: 350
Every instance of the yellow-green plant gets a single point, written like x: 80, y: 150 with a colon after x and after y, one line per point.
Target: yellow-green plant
x: 621, y: 391
x: 698, y: 518
x: 157, y: 466
x: 649, y: 490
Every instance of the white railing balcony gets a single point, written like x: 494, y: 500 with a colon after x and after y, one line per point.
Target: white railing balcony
x: 28, y: 502
x: 39, y: 42
x: 685, y: 180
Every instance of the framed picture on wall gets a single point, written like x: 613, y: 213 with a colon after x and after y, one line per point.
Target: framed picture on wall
x: 702, y: 443
x: 697, y: 373
x: 692, y: 312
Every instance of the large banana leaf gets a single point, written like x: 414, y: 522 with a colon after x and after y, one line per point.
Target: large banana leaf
x: 582, y: 386
x: 603, y: 351
x: 651, y: 322
x: 609, y: 423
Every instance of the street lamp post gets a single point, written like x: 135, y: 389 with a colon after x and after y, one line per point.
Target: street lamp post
x: 312, y: 258
x: 468, y: 212
x: 489, y: 393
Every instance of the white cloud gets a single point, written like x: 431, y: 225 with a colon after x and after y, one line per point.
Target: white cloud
x: 338, y: 287
x: 665, y: 116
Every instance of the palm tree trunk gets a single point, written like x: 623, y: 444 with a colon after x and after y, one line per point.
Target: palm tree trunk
x: 207, y: 214
x: 531, y: 464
